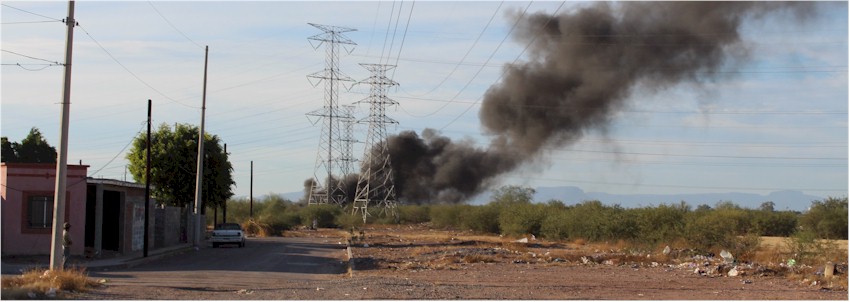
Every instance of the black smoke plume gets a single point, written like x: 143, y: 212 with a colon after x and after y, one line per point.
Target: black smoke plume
x: 583, y: 66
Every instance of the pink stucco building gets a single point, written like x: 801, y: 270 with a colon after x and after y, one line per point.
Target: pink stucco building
x: 27, y: 207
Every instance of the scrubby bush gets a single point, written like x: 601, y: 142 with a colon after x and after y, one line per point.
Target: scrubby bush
x: 663, y: 223
x: 589, y: 220
x: 347, y: 220
x: 512, y: 194
x: 718, y: 228
x: 806, y: 247
x: 324, y: 215
x: 770, y: 223
x: 413, y: 214
x: 446, y: 215
x: 521, y: 218
x: 827, y: 218
x: 484, y: 219
x: 555, y: 225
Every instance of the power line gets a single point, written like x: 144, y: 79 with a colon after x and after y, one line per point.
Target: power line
x: 172, y: 25
x: 28, y: 22
x: 387, y: 34
x: 122, y: 149
x: 32, y: 69
x: 32, y: 13
x: 31, y: 57
x: 403, y: 37
x: 463, y: 59
x: 479, y: 70
x: 130, y: 72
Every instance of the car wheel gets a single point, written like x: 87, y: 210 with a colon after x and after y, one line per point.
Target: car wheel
x: 242, y: 244
x: 215, y: 245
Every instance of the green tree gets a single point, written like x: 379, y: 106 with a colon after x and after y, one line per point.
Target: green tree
x: 826, y: 218
x: 8, y: 154
x: 174, y: 163
x: 512, y: 194
x: 32, y: 149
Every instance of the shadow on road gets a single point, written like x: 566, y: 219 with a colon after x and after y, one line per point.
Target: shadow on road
x: 284, y: 255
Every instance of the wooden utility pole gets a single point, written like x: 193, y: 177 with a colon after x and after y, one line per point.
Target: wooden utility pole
x: 147, y: 180
x: 200, y: 171
x: 56, y: 260
x: 251, y: 191
x: 224, y: 206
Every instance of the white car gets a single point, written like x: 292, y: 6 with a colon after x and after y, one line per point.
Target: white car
x: 228, y: 233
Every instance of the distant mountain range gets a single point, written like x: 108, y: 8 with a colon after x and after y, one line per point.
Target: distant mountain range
x: 783, y: 200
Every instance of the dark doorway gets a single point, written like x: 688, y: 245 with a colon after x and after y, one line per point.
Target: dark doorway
x: 111, y: 220
x: 91, y: 203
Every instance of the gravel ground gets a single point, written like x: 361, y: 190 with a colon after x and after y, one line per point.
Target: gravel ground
x: 417, y: 263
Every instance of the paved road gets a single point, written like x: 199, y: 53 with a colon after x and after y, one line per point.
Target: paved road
x: 262, y: 263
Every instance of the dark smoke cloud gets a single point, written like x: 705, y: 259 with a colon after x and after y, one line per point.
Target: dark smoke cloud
x: 583, y: 66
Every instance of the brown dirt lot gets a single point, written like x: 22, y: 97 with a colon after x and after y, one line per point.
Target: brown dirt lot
x: 413, y: 262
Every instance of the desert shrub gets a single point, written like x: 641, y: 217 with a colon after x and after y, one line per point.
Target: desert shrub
x: 770, y: 223
x: 555, y: 225
x: 324, y: 214
x: 660, y: 224
x: 446, y: 215
x: 512, y: 194
x: 827, y: 218
x: 717, y: 228
x: 413, y: 214
x: 589, y: 220
x: 257, y: 228
x: 806, y: 247
x: 39, y: 281
x: 744, y: 247
x: 521, y: 218
x: 348, y: 221
x: 281, y: 221
x: 237, y: 210
x: 484, y: 219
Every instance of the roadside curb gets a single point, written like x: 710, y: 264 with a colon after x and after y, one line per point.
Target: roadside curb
x: 132, y: 262
x: 142, y: 260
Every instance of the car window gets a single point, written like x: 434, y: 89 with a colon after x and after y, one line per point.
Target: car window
x: 229, y: 226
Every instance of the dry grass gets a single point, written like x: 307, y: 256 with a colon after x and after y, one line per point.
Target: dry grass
x: 257, y: 229
x: 39, y: 282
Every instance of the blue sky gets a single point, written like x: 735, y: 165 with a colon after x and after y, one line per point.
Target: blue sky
x: 778, y: 123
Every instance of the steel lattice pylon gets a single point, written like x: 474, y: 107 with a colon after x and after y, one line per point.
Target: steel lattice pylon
x: 331, y: 145
x: 347, y: 154
x: 375, y: 185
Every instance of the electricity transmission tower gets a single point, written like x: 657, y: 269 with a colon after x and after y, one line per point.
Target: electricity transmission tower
x: 375, y: 185
x: 348, y: 140
x: 329, y: 157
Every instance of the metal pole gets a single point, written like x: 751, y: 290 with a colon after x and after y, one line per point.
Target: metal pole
x: 224, y: 206
x: 147, y: 180
x: 200, y: 170
x: 251, y: 191
x: 56, y: 260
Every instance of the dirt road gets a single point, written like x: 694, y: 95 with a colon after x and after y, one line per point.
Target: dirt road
x: 313, y: 268
x: 220, y: 273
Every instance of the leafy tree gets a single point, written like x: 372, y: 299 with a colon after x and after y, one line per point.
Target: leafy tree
x: 32, y: 149
x: 826, y: 218
x: 513, y: 194
x: 8, y: 154
x: 662, y: 223
x: 767, y: 206
x: 174, y: 163
x: 522, y: 218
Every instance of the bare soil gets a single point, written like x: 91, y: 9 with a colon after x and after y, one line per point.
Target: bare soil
x: 432, y: 264
x: 415, y: 262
